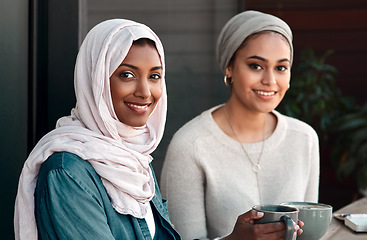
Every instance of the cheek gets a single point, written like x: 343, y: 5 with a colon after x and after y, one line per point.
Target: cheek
x: 284, y: 80
x: 156, y: 92
x: 246, y: 79
x: 118, y: 89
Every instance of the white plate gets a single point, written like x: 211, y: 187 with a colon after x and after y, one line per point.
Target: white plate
x: 358, y: 224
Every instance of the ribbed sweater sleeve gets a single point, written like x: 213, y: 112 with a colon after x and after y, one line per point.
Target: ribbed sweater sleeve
x: 183, y: 183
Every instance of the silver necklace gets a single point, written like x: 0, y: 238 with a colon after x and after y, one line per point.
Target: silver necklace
x: 255, y: 165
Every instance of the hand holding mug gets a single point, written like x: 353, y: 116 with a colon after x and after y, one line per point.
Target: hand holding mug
x: 280, y: 213
x: 245, y: 228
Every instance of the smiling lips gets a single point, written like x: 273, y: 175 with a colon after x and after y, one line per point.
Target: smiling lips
x: 139, y: 108
x: 263, y: 93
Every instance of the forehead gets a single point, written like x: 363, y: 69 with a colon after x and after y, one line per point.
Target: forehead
x: 145, y: 53
x: 266, y: 44
x: 267, y: 33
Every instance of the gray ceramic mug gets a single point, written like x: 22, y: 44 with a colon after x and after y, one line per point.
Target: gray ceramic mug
x: 316, y: 217
x: 279, y: 213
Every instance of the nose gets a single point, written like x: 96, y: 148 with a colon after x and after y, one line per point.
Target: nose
x: 269, y: 78
x: 142, y: 89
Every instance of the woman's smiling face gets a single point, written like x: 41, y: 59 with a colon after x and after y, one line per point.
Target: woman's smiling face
x: 260, y: 72
x: 136, y: 85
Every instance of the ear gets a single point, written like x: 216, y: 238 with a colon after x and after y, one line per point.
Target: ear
x: 229, y: 70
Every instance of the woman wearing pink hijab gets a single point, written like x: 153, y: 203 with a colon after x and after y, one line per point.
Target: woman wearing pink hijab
x: 91, y: 177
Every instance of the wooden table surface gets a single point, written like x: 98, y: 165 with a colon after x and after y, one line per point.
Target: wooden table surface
x: 337, y: 229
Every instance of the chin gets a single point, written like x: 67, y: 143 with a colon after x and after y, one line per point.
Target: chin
x: 134, y: 122
x: 138, y: 123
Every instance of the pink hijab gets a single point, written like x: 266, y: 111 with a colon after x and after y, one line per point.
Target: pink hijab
x: 119, y: 153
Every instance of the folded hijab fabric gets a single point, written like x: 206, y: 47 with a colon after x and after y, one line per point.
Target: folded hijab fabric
x: 243, y: 25
x: 120, y: 154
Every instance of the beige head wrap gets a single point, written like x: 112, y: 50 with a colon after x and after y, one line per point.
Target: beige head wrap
x: 119, y: 153
x: 243, y: 25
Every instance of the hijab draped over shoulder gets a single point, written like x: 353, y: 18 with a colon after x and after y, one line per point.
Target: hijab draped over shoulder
x: 119, y: 153
x: 243, y: 25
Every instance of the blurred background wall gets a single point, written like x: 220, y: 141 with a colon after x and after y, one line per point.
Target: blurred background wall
x: 39, y: 40
x: 13, y: 101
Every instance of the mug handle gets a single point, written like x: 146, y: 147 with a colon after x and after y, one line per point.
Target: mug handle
x: 289, y: 227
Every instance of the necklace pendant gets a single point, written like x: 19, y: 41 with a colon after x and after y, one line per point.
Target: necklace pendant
x: 256, y: 168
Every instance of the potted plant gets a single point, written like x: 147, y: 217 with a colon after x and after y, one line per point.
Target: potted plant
x: 349, y: 153
x: 314, y: 96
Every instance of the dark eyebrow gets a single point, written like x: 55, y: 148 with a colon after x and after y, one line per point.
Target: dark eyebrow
x: 128, y: 65
x: 264, y: 60
x: 156, y: 68
x: 284, y: 60
x: 258, y: 58
x: 135, y: 67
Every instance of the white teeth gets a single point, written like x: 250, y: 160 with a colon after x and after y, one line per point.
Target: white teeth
x: 265, y: 93
x: 137, y: 106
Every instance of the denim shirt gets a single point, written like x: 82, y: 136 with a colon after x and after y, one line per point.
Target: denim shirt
x: 72, y: 203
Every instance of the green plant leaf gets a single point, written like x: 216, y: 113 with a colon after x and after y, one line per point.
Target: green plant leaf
x: 347, y: 167
x: 351, y: 122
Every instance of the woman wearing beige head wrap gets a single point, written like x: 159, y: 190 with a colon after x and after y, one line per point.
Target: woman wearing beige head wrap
x: 242, y: 153
x: 91, y: 177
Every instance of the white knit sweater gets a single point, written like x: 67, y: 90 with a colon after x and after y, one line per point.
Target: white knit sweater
x: 209, y: 182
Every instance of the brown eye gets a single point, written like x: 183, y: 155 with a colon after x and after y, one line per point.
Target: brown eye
x: 155, y: 76
x: 255, y: 66
x: 127, y: 75
x: 282, y: 68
